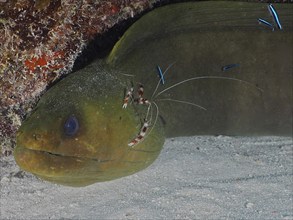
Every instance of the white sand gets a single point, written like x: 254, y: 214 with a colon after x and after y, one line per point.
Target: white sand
x: 196, y: 177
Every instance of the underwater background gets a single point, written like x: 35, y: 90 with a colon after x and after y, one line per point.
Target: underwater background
x: 215, y: 176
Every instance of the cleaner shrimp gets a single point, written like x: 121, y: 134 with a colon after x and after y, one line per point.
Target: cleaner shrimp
x: 140, y: 100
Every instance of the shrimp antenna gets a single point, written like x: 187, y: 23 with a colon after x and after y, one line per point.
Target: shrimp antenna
x: 206, y: 77
x: 128, y: 75
x: 161, y: 79
x: 184, y: 102
x: 156, y: 118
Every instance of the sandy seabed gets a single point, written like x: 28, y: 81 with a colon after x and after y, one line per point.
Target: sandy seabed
x: 200, y: 177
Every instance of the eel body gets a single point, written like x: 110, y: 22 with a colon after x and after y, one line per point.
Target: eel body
x: 193, y: 41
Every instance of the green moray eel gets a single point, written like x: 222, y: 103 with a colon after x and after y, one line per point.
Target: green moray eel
x: 79, y: 133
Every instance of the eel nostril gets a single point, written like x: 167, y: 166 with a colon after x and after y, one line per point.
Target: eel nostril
x: 36, y: 136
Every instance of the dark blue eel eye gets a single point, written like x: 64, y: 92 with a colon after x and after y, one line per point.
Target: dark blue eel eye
x: 71, y: 126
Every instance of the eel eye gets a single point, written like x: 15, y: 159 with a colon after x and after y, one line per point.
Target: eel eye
x: 71, y: 126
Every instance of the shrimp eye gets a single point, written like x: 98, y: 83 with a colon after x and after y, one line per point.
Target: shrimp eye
x: 71, y: 126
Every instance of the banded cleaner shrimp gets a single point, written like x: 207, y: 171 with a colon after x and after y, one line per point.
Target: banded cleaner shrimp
x: 141, y: 100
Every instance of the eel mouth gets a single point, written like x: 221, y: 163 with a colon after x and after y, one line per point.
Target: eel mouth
x: 53, y: 165
x: 70, y: 170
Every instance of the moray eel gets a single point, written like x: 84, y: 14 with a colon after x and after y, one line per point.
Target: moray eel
x: 79, y: 133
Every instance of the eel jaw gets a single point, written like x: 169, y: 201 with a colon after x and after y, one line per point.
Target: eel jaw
x: 62, y: 169
x: 43, y: 162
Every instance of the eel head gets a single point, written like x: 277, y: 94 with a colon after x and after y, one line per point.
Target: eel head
x: 79, y: 133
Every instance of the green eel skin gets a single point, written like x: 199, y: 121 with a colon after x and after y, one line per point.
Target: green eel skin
x: 198, y: 38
